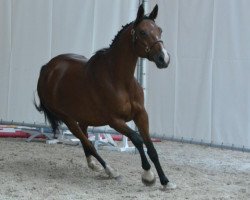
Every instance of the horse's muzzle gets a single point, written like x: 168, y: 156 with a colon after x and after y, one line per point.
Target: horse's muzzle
x: 161, y: 60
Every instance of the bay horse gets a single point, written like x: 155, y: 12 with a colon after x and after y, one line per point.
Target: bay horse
x: 103, y: 91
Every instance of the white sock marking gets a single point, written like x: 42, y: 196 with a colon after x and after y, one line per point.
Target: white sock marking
x: 111, y: 172
x: 148, y: 175
x: 92, y: 165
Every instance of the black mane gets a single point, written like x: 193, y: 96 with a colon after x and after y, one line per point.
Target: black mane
x: 116, y: 38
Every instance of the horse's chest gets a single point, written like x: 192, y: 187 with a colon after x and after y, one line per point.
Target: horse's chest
x: 124, y: 107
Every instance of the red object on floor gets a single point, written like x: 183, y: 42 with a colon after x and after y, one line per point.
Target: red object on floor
x: 17, y: 134
x: 119, y: 138
x: 156, y: 140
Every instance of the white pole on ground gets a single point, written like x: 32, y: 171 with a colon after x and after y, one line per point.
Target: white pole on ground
x: 126, y: 147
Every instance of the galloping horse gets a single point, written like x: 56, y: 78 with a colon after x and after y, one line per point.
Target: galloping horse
x: 103, y: 91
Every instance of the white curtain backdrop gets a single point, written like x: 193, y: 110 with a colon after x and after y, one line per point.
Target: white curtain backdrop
x: 203, y: 95
x: 32, y: 32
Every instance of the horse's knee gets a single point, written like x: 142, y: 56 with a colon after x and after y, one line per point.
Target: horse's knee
x: 137, y: 140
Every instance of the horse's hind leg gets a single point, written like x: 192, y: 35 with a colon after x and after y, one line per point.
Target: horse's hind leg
x: 76, y: 130
x: 91, y: 163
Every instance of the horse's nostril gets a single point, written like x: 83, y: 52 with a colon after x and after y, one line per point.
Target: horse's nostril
x: 161, y: 59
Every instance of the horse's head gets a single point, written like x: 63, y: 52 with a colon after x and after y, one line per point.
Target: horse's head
x: 147, y: 38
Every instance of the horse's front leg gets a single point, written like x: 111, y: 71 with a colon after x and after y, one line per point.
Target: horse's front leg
x: 141, y: 120
x: 148, y: 177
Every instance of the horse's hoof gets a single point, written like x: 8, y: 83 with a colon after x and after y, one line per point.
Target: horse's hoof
x: 111, y: 172
x: 148, y: 183
x: 95, y: 167
x: 148, y: 178
x: 92, y: 165
x: 118, y: 178
x: 169, y: 186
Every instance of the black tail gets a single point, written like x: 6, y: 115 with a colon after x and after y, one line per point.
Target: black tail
x: 49, y: 116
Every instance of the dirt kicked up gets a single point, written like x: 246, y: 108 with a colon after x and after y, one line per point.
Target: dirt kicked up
x: 40, y: 171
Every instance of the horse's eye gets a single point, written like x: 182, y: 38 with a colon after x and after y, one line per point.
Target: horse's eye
x: 143, y: 33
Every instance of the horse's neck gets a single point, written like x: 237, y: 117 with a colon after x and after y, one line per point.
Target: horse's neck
x: 123, y: 60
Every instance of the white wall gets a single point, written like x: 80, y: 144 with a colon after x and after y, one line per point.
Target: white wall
x: 32, y: 32
x: 203, y: 95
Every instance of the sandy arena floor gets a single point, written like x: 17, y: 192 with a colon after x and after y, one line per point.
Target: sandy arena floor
x: 40, y: 171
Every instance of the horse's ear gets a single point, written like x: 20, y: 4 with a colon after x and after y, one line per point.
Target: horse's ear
x: 140, y: 14
x: 154, y: 13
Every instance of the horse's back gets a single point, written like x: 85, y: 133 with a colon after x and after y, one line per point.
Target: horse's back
x: 59, y: 66
x: 71, y: 59
x: 62, y: 61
